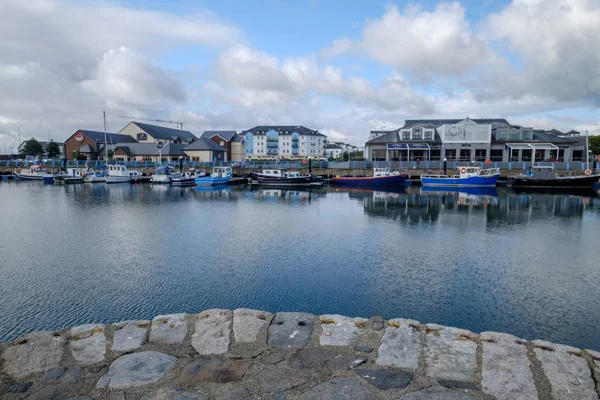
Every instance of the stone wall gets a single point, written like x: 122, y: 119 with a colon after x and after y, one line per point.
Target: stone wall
x: 250, y: 354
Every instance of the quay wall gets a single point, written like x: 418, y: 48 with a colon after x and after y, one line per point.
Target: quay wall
x: 251, y: 354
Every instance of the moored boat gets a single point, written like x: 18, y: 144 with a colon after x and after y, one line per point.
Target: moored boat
x: 219, y: 176
x: 381, y: 177
x: 188, y: 178
x: 467, y: 177
x: 73, y: 175
x: 544, y: 177
x: 120, y: 174
x: 92, y: 176
x: 35, y: 173
x: 163, y: 174
x: 279, y: 177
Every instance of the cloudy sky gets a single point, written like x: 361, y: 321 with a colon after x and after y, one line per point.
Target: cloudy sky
x: 342, y: 67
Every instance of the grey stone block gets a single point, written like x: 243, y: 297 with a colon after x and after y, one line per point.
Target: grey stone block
x: 291, y: 330
x: 212, y: 331
x: 281, y: 379
x: 168, y: 329
x: 136, y: 369
x: 36, y: 352
x: 437, y: 393
x: 338, y: 330
x: 339, y: 389
x: 384, y: 378
x: 88, y: 344
x: 506, y: 372
x: 450, y: 354
x: 250, y: 325
x: 130, y: 337
x: 400, y: 345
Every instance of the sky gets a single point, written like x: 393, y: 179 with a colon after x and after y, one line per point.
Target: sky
x: 343, y: 68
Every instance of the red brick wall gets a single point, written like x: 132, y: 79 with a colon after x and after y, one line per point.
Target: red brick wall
x: 71, y: 144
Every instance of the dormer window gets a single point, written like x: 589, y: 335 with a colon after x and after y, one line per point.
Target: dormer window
x: 417, y: 133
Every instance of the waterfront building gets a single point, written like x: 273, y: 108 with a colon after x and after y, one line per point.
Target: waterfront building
x: 284, y: 142
x: 333, y: 150
x: 230, y: 141
x: 141, y: 152
x: 90, y: 144
x: 44, y: 144
x: 147, y: 133
x: 206, y: 150
x: 467, y: 140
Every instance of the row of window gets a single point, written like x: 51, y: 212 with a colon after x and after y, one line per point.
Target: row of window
x: 418, y: 133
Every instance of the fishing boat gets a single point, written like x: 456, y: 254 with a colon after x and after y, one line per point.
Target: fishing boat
x: 381, y: 177
x: 279, y: 177
x: 92, y: 176
x: 544, y: 177
x: 34, y: 173
x: 188, y: 178
x: 164, y: 174
x: 120, y: 174
x: 73, y: 175
x: 467, y: 177
x: 219, y: 176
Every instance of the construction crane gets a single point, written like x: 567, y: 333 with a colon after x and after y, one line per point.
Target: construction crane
x: 179, y: 124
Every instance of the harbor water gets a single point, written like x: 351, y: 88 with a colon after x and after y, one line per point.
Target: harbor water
x: 525, y: 264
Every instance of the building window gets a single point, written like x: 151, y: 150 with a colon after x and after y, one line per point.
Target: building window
x: 496, y: 155
x: 405, y: 135
x: 450, y: 154
x: 428, y: 135
x: 417, y: 133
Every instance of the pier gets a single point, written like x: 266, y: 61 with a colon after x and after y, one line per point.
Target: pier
x: 252, y: 354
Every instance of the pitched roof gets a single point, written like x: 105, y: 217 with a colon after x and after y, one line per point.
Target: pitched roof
x: 204, y: 144
x: 162, y: 132
x: 227, y: 135
x: 238, y: 138
x: 440, y: 122
x: 283, y: 130
x: 539, y: 136
x: 98, y: 137
x: 150, y: 149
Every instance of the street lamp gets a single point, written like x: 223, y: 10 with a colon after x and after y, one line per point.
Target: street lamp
x: 445, y: 160
x: 181, y: 164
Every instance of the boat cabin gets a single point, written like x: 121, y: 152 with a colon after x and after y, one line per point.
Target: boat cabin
x: 467, y: 172
x: 219, y: 172
x: 117, y: 169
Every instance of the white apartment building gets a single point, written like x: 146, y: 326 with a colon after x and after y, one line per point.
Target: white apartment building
x: 284, y: 142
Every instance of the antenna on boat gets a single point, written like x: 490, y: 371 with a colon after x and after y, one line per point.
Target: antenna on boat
x: 587, y: 151
x: 105, y: 144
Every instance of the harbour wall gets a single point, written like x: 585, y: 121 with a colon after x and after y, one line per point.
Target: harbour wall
x: 252, y: 354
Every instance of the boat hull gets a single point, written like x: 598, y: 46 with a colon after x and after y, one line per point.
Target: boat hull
x: 391, y: 180
x: 317, y: 181
x: 183, y: 182
x: 32, y: 177
x: 118, y: 179
x: 212, y: 181
x: 66, y: 180
x: 472, y: 181
x: 257, y: 179
x: 571, y: 182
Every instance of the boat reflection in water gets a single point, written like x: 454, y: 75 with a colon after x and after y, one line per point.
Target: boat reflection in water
x: 286, y: 194
x: 464, y: 196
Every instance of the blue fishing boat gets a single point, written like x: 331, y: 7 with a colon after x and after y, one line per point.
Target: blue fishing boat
x: 381, y: 177
x: 468, y: 177
x: 220, y: 176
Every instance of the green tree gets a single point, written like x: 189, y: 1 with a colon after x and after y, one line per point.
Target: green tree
x: 345, y: 156
x: 77, y: 155
x: 110, y: 154
x: 32, y: 148
x: 595, y: 144
x: 53, y: 149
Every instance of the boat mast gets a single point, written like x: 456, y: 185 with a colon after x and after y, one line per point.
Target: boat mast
x: 105, y: 144
x: 587, y: 151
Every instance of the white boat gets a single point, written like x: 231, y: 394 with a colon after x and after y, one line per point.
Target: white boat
x: 35, y: 172
x: 164, y: 174
x: 73, y: 175
x: 120, y: 174
x: 92, y: 176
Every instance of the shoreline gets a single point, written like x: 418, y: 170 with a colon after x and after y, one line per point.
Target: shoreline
x: 246, y: 354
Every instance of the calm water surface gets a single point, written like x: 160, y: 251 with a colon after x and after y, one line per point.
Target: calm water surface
x: 523, y: 264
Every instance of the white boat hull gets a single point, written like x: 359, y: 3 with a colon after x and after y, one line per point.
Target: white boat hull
x: 118, y: 179
x: 161, y: 179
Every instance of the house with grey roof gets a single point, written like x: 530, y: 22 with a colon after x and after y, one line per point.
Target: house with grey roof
x: 147, y: 133
x: 230, y: 141
x: 467, y: 139
x: 284, y: 142
x: 206, y: 150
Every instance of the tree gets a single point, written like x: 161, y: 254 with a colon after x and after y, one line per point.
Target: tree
x: 345, y: 156
x: 110, y: 154
x: 77, y: 155
x: 32, y: 148
x: 53, y: 149
x: 595, y: 144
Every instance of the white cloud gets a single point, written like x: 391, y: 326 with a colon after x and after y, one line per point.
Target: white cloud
x: 425, y: 43
x: 123, y: 76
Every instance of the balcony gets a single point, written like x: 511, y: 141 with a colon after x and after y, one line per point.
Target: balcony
x: 295, y: 145
x: 272, y: 145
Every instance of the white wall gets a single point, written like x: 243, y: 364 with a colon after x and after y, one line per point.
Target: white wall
x: 132, y: 130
